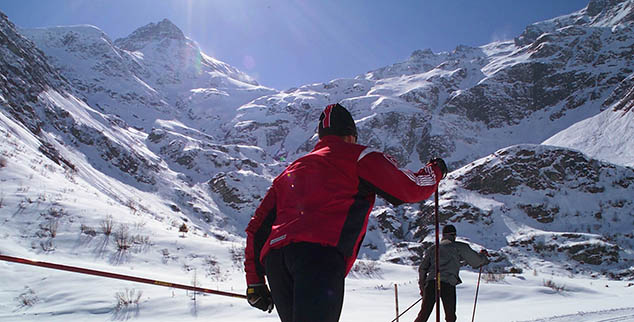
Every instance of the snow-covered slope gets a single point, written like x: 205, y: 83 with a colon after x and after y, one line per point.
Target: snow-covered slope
x: 606, y: 136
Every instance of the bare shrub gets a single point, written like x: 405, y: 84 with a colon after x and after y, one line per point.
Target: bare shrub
x: 47, y: 245
x: 123, y: 239
x: 138, y: 226
x: 56, y: 212
x: 28, y: 298
x: 166, y: 255
x: 212, y: 268
x: 106, y: 225
x: 133, y: 206
x: 126, y: 299
x: 69, y: 174
x: 41, y: 198
x: 21, y: 206
x: 237, y: 256
x: 369, y: 269
x: 48, y: 228
x: 554, y: 286
x: 52, y: 226
x: 87, y: 230
x: 141, y: 242
x: 491, y: 277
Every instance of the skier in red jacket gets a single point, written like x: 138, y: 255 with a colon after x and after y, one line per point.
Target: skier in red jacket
x: 308, y: 229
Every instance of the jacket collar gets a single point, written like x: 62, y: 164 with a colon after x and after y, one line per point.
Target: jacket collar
x: 328, y: 140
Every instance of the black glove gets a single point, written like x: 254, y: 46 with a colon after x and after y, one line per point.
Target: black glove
x: 441, y: 164
x: 485, y: 254
x: 259, y: 297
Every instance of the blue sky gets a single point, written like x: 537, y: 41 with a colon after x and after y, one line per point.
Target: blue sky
x: 287, y: 43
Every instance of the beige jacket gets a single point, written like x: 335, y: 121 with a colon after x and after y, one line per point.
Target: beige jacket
x: 452, y: 255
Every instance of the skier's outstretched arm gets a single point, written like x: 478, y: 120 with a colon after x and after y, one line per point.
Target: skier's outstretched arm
x: 470, y: 256
x: 397, y: 185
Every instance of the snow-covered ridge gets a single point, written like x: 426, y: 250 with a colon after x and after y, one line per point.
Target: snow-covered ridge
x: 164, y: 45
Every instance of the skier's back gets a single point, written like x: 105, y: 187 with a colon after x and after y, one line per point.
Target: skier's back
x: 307, y: 231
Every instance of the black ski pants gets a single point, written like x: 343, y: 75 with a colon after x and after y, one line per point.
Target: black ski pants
x: 307, y: 282
x: 447, y: 297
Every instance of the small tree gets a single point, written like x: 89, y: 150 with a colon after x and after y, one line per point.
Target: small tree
x: 183, y: 229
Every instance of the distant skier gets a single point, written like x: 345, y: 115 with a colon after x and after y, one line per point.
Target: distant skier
x: 307, y: 231
x: 451, y: 254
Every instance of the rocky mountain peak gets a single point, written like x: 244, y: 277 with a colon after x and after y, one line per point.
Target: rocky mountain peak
x: 596, y: 6
x: 159, y: 31
x: 610, y: 13
x: 421, y: 54
x: 598, y: 13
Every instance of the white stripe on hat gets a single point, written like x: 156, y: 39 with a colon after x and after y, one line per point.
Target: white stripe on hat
x: 326, y: 122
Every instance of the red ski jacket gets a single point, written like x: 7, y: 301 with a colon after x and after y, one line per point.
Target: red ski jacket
x: 326, y: 196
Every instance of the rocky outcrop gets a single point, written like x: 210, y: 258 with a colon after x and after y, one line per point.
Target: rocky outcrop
x: 25, y: 73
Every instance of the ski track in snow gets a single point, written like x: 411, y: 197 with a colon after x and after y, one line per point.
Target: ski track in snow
x: 613, y: 315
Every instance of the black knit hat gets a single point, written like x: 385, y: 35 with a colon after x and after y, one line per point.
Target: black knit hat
x: 336, y: 120
x: 449, y: 229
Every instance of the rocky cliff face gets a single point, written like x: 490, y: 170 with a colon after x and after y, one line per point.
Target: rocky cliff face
x: 537, y: 207
x: 25, y: 74
x: 554, y: 202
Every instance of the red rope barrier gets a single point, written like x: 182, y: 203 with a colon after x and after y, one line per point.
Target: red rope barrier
x: 116, y: 276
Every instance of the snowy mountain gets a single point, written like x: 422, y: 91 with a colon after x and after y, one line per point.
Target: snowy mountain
x: 155, y: 73
x: 468, y: 103
x: 146, y: 133
x: 608, y: 135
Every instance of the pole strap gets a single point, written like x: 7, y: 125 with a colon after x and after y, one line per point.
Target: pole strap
x: 117, y: 276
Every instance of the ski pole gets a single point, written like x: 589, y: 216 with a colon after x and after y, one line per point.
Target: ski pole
x: 476, y: 296
x: 407, y: 309
x: 437, y: 259
x: 116, y: 276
